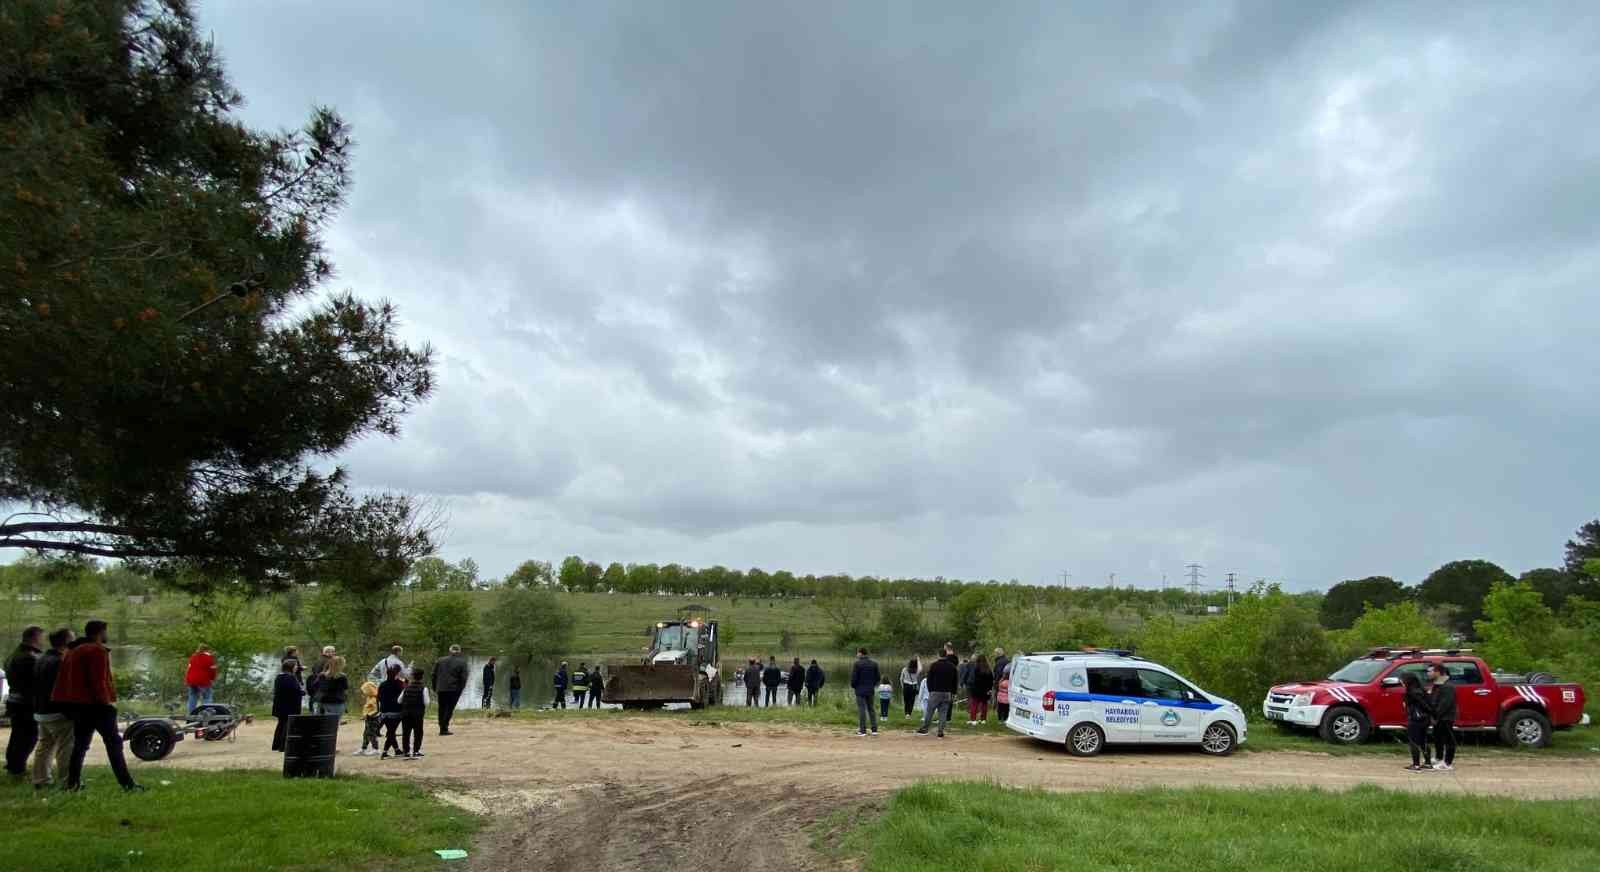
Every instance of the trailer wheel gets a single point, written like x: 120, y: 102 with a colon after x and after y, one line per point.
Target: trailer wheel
x: 151, y: 741
x: 1525, y: 728
x: 1345, y: 726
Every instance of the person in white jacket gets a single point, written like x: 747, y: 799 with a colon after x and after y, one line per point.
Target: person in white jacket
x: 381, y: 670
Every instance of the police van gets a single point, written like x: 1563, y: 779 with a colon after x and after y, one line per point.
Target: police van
x: 1088, y: 699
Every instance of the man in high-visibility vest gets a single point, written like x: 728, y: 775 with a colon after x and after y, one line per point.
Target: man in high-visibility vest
x: 580, y: 684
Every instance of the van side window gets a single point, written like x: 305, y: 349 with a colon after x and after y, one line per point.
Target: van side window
x: 1159, y: 685
x: 1114, y: 681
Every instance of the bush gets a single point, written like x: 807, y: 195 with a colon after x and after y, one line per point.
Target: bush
x: 1398, y: 624
x: 1266, y: 638
x: 1518, y: 632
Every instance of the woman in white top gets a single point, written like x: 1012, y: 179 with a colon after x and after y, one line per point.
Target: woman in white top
x: 909, y: 678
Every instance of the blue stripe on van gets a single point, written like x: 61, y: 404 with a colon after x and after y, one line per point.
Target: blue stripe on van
x: 1073, y: 696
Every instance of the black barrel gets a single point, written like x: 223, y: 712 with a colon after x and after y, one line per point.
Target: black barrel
x: 310, y: 746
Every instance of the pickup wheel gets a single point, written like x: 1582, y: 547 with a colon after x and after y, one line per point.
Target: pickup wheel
x: 1345, y: 726
x: 1085, y: 740
x: 1525, y: 728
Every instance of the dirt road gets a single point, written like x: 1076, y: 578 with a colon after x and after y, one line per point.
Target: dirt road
x: 629, y: 793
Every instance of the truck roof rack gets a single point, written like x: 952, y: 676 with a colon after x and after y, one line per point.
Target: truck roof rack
x: 1395, y: 652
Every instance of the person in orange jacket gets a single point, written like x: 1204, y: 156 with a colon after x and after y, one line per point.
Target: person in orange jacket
x: 85, y: 686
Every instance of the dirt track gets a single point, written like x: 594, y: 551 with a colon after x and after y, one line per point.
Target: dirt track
x: 709, y: 796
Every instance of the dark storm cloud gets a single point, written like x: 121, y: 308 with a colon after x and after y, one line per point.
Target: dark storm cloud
x: 1113, y: 287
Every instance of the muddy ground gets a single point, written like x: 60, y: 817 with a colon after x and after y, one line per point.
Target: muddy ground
x: 625, y: 793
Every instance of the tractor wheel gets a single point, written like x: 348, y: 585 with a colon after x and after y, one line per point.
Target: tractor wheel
x: 150, y: 741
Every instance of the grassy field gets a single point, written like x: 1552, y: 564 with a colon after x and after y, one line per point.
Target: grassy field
x: 229, y: 820
x: 985, y: 827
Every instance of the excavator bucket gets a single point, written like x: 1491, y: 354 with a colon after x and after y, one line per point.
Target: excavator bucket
x: 630, y: 684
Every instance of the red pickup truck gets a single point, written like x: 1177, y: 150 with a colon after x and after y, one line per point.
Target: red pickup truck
x: 1366, y: 695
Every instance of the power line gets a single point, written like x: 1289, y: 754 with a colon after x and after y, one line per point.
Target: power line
x: 1230, y: 589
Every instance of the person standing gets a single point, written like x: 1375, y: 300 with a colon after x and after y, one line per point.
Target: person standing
x: 771, y: 677
x: 964, y: 673
x: 488, y: 683
x: 864, y: 680
x: 797, y: 681
x: 885, y: 697
x: 1002, y: 694
x: 597, y: 686
x: 370, y: 724
x: 815, y: 678
x: 910, y: 677
x: 86, y: 685
x: 55, y: 728
x: 285, y: 700
x: 560, y: 682
x: 580, y: 683
x: 389, y: 709
x: 200, y: 676
x: 413, y: 708
x: 1001, y: 661
x: 978, y: 692
x: 314, y: 683
x: 380, y: 671
x: 1419, y: 717
x: 20, y: 668
x: 752, y: 683
x: 449, y: 680
x: 514, y: 684
x: 334, y: 688
x: 942, y: 679
x: 1442, y: 702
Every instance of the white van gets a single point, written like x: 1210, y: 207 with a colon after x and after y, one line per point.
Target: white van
x: 1088, y: 699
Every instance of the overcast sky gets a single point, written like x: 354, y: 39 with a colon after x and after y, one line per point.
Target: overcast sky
x: 1305, y: 291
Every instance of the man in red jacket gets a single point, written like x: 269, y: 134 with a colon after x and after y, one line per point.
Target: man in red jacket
x: 201, y: 675
x: 85, y: 688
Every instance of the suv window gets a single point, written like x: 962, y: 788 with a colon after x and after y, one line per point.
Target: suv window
x: 1463, y: 672
x: 1032, y: 675
x: 1159, y: 685
x: 1420, y: 670
x: 1115, y: 681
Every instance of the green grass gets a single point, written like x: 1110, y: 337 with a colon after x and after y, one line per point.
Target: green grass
x: 1576, y: 742
x: 977, y: 826
x: 230, y: 820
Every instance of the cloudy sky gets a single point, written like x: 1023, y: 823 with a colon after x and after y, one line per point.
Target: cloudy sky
x: 1302, y: 291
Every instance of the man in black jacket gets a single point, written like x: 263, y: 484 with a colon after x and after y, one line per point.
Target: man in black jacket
x: 942, y: 678
x: 55, y: 727
x: 815, y: 678
x: 797, y: 681
x: 752, y: 683
x: 19, y: 701
x: 864, y: 679
x: 771, y: 677
x: 1442, y: 699
x: 488, y: 684
x: 449, y: 680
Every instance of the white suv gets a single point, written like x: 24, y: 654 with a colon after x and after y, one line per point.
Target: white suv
x: 1088, y: 699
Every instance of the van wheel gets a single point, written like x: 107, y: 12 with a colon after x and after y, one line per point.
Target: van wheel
x: 1219, y: 740
x: 1525, y: 728
x: 1085, y: 740
x: 1345, y: 726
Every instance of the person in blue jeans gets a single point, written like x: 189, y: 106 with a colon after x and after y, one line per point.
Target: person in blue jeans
x: 864, y: 680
